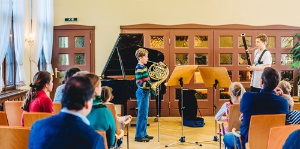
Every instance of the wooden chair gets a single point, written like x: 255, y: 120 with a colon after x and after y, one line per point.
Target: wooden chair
x: 112, y: 109
x: 259, y: 129
x: 13, y: 112
x: 3, y: 119
x: 103, y: 134
x: 278, y: 135
x: 233, y: 121
x: 31, y: 117
x: 56, y: 107
x: 296, y: 106
x: 13, y: 137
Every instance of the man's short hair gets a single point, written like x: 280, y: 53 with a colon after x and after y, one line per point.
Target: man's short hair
x: 140, y: 53
x: 270, y: 78
x: 262, y: 37
x: 78, y: 90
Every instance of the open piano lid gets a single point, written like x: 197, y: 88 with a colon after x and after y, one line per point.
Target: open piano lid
x: 126, y: 46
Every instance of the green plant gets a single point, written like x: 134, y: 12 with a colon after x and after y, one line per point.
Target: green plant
x: 295, y: 51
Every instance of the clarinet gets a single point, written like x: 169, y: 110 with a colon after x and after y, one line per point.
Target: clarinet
x: 246, y: 49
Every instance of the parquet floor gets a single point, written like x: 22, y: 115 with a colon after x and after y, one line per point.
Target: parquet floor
x: 170, y: 132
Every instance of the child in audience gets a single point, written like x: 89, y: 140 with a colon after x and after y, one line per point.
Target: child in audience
x: 236, y: 91
x: 100, y: 117
x: 36, y: 99
x: 107, y: 96
x: 294, y: 115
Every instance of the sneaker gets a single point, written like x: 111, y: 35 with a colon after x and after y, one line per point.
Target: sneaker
x: 141, y: 139
x: 149, y: 137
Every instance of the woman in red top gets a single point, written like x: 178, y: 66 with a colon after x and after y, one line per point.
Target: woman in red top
x: 36, y: 99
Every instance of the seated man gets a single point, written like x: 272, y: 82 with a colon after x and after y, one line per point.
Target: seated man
x: 70, y: 128
x: 264, y: 102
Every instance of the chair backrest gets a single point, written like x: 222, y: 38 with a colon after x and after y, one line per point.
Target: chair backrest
x: 278, y: 135
x: 296, y: 106
x: 31, y: 117
x: 233, y: 118
x: 112, y: 109
x: 103, y: 134
x: 259, y: 129
x: 3, y: 119
x: 13, y: 112
x: 14, y: 137
x: 56, y: 107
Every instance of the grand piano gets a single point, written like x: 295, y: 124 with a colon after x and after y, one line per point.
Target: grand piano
x: 119, y: 71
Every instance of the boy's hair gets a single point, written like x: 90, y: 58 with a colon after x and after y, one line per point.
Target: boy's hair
x: 69, y: 73
x: 140, y: 53
x: 285, y: 87
x: 106, y: 93
x: 262, y: 37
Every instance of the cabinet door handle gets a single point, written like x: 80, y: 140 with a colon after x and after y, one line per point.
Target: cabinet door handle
x: 55, y: 72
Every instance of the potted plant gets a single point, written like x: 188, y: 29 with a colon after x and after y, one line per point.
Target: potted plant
x: 295, y: 51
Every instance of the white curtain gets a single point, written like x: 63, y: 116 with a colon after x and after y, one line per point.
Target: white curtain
x: 19, y: 27
x: 41, y: 18
x: 48, y: 34
x: 5, y: 26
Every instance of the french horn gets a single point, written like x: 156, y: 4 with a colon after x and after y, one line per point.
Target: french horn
x: 158, y: 71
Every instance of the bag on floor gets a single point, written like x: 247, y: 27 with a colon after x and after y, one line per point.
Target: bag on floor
x: 197, y: 122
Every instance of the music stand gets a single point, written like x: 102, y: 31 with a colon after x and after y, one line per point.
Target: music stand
x: 181, y: 75
x: 215, y: 77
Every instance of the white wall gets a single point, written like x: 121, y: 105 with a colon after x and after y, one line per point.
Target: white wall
x: 108, y: 15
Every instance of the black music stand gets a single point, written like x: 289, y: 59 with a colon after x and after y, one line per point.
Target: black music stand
x: 215, y: 77
x: 181, y: 75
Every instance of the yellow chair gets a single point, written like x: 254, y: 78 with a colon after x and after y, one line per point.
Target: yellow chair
x: 31, y: 117
x: 233, y: 121
x: 13, y: 112
x: 14, y: 137
x: 103, y: 134
x: 3, y: 119
x: 278, y: 135
x: 259, y: 129
x: 56, y: 107
x: 296, y: 106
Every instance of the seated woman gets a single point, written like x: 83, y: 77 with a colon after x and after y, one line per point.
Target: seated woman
x: 69, y: 73
x: 107, y: 96
x: 100, y: 117
x: 285, y: 91
x: 36, y: 99
x: 236, y: 91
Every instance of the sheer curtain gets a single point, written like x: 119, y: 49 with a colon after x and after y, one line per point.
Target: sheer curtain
x: 5, y: 25
x: 43, y: 29
x: 48, y: 35
x: 19, y: 27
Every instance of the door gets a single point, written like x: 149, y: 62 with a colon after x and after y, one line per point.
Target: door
x: 73, y: 46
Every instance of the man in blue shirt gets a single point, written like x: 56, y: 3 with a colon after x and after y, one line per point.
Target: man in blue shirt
x: 264, y: 102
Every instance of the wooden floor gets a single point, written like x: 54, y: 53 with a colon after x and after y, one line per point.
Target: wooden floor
x: 170, y: 132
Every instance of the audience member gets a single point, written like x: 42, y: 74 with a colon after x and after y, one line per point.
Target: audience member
x: 107, y: 96
x: 236, y: 91
x: 69, y: 73
x: 264, y: 102
x: 70, y: 128
x: 36, y: 99
x: 100, y: 117
x: 294, y: 115
x: 293, y: 141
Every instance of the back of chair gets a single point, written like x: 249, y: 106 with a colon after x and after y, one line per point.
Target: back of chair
x: 112, y: 109
x: 278, y: 135
x: 103, y: 134
x: 259, y: 129
x: 14, y: 137
x: 296, y: 106
x: 14, y: 112
x: 3, y: 119
x: 233, y: 118
x: 56, y: 107
x: 31, y: 117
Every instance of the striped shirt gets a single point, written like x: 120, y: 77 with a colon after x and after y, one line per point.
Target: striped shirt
x: 142, y: 77
x: 293, y: 117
